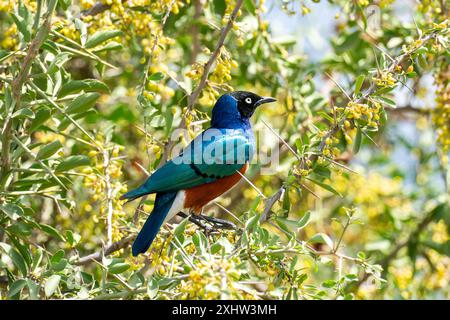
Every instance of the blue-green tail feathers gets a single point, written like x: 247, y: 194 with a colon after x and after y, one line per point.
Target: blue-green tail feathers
x: 135, y: 193
x: 163, y: 203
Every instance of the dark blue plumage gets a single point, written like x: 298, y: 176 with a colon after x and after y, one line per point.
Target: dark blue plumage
x: 217, y: 153
x: 163, y: 202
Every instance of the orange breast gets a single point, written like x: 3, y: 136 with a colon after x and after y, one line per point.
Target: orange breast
x: 199, y: 196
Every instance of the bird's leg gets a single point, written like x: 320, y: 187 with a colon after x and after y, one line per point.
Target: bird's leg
x: 197, y: 220
x: 219, y: 223
x: 216, y: 223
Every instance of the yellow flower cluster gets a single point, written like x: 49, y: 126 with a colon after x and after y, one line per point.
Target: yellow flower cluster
x: 441, y: 114
x: 66, y: 28
x: 385, y: 3
x: 100, y: 177
x: 372, y: 193
x: 214, y: 279
x: 6, y: 5
x: 363, y: 3
x: 385, y: 79
x: 9, y: 39
x: 218, y: 78
x: 363, y: 111
x: 47, y: 137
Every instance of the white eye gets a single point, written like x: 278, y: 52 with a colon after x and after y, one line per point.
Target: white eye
x: 248, y: 100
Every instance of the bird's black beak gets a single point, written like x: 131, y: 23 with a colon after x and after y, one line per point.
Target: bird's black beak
x: 264, y: 100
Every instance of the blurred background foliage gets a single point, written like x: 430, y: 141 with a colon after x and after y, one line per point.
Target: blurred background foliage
x: 92, y: 93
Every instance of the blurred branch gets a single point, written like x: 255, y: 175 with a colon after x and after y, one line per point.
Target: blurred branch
x: 194, y: 96
x: 147, y: 67
x: 109, y: 199
x: 17, y: 85
x: 195, y: 31
x: 96, y: 9
x: 408, y: 109
x: 97, y: 256
x: 270, y: 202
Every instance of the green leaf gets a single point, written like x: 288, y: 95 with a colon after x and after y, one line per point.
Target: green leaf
x: 304, y: 220
x: 156, y: 76
x: 72, y: 238
x: 351, y: 277
x: 358, y: 84
x: 58, y: 62
x: 23, y: 20
x: 16, y: 287
x: 387, y: 101
x: 201, y: 242
x: 179, y: 230
x: 286, y: 224
x: 322, y: 238
x: 152, y: 288
x: 66, y: 122
x: 421, y: 50
x: 58, y: 256
x: 118, y: 268
x: 358, y: 140
x: 252, y: 222
x: 12, y: 210
x: 112, y: 45
x: 23, y: 250
x: 250, y: 6
x: 329, y: 283
x: 101, y: 36
x: 48, y: 150
x: 33, y: 289
x: 286, y: 203
x: 51, y: 231
x: 72, y: 162
x: 40, y: 117
x: 87, y: 85
x: 16, y: 258
x: 83, y: 102
x: 326, y: 116
x: 325, y: 186
x: 23, y: 113
x: 65, y: 4
x: 51, y: 285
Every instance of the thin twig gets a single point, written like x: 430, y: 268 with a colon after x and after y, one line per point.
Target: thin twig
x: 116, y: 246
x: 251, y: 184
x: 109, y: 199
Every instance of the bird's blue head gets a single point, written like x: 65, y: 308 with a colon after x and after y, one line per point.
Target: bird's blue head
x: 233, y: 110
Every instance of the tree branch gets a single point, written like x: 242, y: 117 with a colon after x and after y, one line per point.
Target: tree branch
x: 118, y: 245
x: 17, y: 84
x: 97, y: 256
x: 96, y: 9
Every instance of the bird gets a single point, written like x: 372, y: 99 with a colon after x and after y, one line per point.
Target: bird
x: 209, y: 166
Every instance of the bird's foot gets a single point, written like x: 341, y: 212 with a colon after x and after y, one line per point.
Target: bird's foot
x: 209, y: 225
